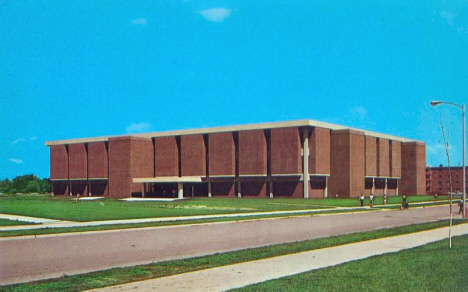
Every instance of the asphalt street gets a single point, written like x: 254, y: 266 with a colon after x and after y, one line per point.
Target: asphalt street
x: 30, y: 258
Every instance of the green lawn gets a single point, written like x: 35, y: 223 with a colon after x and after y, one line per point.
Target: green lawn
x: 6, y: 222
x: 66, y: 208
x: 162, y: 269
x: 432, y: 267
x: 43, y: 231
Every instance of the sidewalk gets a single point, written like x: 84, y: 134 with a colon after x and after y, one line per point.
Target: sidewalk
x: 50, y: 223
x: 243, y: 274
x: 35, y: 220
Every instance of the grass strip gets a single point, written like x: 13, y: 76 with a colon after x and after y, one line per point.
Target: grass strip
x: 431, y: 267
x: 117, y: 276
x: 57, y: 230
x: 412, y: 205
x: 66, y: 208
x: 7, y: 222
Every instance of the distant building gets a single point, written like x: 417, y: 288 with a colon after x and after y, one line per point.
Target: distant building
x: 301, y: 159
x: 438, y: 179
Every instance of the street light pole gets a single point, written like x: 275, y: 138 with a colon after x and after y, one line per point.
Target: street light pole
x: 462, y: 107
x: 464, y: 162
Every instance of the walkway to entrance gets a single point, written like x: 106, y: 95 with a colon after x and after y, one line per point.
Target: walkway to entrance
x: 51, y: 223
x: 67, y: 224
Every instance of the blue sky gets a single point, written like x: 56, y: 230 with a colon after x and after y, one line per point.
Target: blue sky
x: 72, y: 69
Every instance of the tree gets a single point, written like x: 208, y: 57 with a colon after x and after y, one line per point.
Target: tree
x: 33, y: 186
x: 29, y: 183
x: 447, y: 153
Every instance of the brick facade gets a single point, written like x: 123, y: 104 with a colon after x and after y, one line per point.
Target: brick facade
x: 193, y: 155
x: 78, y: 161
x: 371, y: 156
x: 286, y: 151
x: 59, y: 162
x: 438, y: 180
x: 319, y: 151
x: 141, y: 161
x: 395, y: 159
x: 119, y: 167
x: 166, y: 153
x: 129, y: 157
x: 98, y: 160
x: 413, y: 169
x: 383, y: 161
x: 222, y: 154
x: 240, y: 161
x: 252, y: 152
x: 347, y: 174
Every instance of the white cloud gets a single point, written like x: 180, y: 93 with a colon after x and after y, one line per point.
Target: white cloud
x: 139, y: 21
x: 437, y: 153
x: 139, y: 128
x: 455, y: 21
x: 435, y: 150
x: 462, y: 29
x: 23, y: 140
x: 359, y: 111
x: 216, y: 14
x: 18, y: 140
x: 17, y: 161
x: 448, y: 16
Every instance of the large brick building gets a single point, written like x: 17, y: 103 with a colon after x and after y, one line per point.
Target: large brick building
x: 301, y: 159
x: 438, y: 180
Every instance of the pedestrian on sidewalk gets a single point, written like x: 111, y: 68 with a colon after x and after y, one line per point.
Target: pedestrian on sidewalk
x: 436, y: 197
x: 460, y: 204
x: 404, y: 204
x: 384, y: 199
x: 77, y: 197
x: 361, y: 199
x: 371, y: 200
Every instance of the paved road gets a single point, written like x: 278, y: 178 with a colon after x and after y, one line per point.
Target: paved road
x: 243, y: 274
x: 30, y: 258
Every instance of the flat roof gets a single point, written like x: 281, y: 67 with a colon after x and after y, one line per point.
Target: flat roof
x: 446, y: 167
x: 260, y: 126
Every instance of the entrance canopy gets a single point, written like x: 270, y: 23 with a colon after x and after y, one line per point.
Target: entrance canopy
x: 148, y: 184
x: 169, y: 179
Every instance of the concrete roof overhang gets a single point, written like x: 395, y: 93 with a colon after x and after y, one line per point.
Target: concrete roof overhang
x: 261, y: 126
x: 168, y: 179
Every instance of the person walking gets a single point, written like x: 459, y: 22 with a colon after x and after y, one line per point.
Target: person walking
x: 461, y: 205
x: 404, y: 204
x: 361, y: 199
x: 371, y: 200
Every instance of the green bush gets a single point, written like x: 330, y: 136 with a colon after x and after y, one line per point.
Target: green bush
x: 29, y: 183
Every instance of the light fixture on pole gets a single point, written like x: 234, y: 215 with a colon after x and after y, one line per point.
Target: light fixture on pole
x: 462, y: 107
